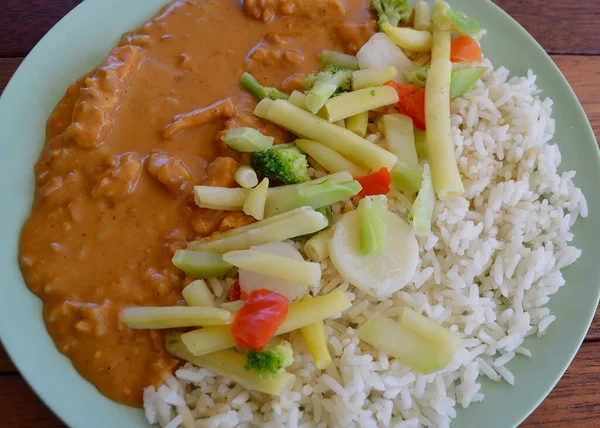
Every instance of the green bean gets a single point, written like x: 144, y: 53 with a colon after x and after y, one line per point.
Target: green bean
x: 345, y: 142
x: 372, y: 77
x: 353, y: 103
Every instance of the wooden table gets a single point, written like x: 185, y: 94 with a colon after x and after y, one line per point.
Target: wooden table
x: 568, y: 30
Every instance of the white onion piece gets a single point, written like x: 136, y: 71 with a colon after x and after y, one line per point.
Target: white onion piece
x: 250, y: 281
x: 381, y: 52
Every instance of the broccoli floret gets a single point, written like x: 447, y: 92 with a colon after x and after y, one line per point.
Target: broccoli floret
x: 285, y: 163
x: 340, y: 74
x: 271, y: 361
x: 392, y: 11
x: 324, y: 85
x: 259, y: 91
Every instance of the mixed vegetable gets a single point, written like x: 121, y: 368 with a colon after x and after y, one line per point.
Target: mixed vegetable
x: 399, y: 85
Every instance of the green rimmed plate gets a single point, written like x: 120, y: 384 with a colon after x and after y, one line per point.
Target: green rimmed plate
x: 82, y: 39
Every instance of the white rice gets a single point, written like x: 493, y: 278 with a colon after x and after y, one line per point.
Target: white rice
x: 486, y: 272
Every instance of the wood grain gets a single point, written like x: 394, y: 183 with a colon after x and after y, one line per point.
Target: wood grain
x: 8, y: 66
x: 583, y: 73
x: 23, y: 23
x: 593, y: 333
x: 560, y: 26
x: 575, y: 401
x: 21, y: 408
x: 6, y: 365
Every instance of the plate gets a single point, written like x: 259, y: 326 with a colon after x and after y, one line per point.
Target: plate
x: 81, y: 40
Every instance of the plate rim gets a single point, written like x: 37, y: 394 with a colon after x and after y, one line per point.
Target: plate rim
x: 69, y: 418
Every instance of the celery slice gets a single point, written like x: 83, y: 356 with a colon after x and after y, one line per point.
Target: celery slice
x: 415, y: 344
x: 201, y: 265
x: 338, y: 59
x: 463, y: 80
x: 247, y: 140
x: 372, y: 211
x: 399, y: 137
x: 422, y: 210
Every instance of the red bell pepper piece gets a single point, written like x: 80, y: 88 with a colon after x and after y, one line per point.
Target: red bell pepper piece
x: 412, y: 102
x: 376, y: 183
x: 258, y: 320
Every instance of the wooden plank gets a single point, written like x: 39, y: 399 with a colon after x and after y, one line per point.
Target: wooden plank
x: 24, y: 23
x: 560, y: 26
x: 593, y: 333
x: 6, y: 365
x: 583, y: 73
x: 8, y: 66
x: 575, y: 401
x: 20, y: 407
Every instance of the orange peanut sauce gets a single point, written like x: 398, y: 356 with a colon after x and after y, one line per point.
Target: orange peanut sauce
x: 114, y: 179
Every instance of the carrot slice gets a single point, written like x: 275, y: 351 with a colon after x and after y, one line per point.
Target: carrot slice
x: 412, y: 102
x: 465, y: 48
x: 376, y: 183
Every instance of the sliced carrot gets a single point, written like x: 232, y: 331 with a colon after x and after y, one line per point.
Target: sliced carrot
x: 412, y: 102
x: 465, y: 48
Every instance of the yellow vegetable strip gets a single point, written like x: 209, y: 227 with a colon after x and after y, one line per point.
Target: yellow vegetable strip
x: 440, y: 48
x: 329, y: 159
x: 233, y: 199
x: 353, y: 103
x: 173, y: 316
x: 298, y: 222
x: 220, y: 198
x: 298, y: 99
x: 299, y: 271
x: 345, y: 142
x: 358, y: 123
x: 400, y: 140
x: 408, y: 38
x: 257, y: 198
x: 429, y: 329
x: 262, y: 108
x: 300, y: 314
x: 315, y: 340
x: 317, y: 247
x: 233, y: 307
x: 440, y: 145
x: 231, y: 364
x: 412, y: 349
x: 246, y: 177
x: 372, y: 77
x: 198, y: 294
x: 422, y: 16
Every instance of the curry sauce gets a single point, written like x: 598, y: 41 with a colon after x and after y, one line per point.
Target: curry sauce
x: 123, y: 149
